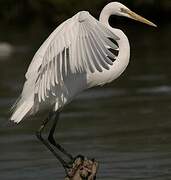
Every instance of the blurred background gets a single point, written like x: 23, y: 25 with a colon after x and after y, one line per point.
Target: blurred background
x: 125, y: 125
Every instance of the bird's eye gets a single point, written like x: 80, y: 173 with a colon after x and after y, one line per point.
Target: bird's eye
x: 123, y: 10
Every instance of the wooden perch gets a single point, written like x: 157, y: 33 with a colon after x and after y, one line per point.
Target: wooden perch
x: 83, y: 169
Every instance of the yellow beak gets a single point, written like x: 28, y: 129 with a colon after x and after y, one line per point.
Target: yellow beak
x: 139, y: 18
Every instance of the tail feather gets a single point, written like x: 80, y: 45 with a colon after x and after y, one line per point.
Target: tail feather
x: 25, y: 102
x: 21, y: 111
x: 15, y: 104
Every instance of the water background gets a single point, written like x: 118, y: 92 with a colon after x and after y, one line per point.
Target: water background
x: 125, y: 125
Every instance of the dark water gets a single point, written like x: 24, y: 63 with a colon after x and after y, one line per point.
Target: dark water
x: 126, y: 125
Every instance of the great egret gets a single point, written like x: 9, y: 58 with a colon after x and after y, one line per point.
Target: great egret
x: 78, y: 55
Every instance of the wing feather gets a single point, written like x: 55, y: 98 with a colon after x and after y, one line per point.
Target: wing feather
x: 100, y: 55
x: 86, y: 52
x: 80, y: 45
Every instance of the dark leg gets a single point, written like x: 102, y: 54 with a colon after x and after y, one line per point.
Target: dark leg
x: 52, y: 140
x: 39, y: 136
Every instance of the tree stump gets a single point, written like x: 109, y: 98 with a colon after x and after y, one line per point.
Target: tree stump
x: 83, y: 169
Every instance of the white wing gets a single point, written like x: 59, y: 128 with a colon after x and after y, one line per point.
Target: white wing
x: 79, y: 45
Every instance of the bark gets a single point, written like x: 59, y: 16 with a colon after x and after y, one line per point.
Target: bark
x: 83, y: 169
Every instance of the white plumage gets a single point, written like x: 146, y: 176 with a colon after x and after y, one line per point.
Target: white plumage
x: 76, y: 56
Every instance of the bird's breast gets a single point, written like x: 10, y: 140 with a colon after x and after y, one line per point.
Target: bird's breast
x: 118, y: 67
x: 106, y: 76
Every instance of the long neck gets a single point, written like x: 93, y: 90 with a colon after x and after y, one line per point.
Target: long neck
x: 105, y: 15
x: 123, y: 43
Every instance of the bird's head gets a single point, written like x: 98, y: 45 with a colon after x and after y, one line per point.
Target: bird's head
x: 121, y: 10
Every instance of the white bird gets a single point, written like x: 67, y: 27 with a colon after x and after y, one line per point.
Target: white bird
x: 79, y: 54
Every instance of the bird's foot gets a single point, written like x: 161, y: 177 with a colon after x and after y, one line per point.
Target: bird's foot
x: 82, y: 168
x: 70, y: 164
